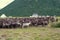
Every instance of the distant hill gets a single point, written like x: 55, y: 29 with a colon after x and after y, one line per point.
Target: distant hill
x: 28, y: 7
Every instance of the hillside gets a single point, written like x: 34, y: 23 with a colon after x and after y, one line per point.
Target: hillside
x: 28, y: 7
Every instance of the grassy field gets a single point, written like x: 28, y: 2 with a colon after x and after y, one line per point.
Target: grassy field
x: 31, y: 33
x: 34, y: 33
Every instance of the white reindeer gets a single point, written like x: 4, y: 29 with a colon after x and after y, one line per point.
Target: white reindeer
x: 26, y: 24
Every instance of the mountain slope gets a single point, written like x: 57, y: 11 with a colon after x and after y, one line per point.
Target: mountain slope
x: 28, y: 7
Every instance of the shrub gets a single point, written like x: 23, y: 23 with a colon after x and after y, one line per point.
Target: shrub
x: 56, y: 25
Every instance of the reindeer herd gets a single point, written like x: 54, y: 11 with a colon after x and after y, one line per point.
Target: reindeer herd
x: 26, y: 22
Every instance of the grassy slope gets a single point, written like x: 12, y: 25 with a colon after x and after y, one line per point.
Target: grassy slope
x: 28, y: 7
x: 39, y: 33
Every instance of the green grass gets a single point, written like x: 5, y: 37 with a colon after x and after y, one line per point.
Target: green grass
x: 34, y: 33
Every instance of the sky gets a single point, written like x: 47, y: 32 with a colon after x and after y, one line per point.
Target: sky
x: 4, y: 3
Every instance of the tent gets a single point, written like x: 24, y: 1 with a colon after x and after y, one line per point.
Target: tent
x: 3, y: 16
x: 34, y: 15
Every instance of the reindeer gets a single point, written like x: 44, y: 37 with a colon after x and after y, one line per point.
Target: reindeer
x: 26, y: 25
